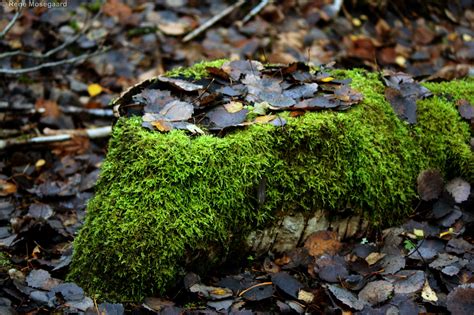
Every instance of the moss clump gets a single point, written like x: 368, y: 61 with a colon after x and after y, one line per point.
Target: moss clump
x: 5, y: 263
x: 161, y: 196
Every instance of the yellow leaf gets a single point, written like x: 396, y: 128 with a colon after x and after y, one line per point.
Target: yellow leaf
x: 162, y: 125
x: 6, y: 188
x: 428, y: 294
x: 419, y: 233
x: 374, y: 257
x: 327, y: 79
x: 219, y: 291
x: 94, y: 89
x: 264, y: 119
x: 234, y: 107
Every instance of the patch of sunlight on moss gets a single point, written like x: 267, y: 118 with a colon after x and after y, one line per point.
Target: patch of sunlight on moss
x: 161, y: 196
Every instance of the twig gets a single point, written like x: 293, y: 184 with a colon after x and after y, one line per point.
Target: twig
x: 255, y: 11
x: 12, y: 21
x: 212, y: 20
x: 54, y: 50
x: 51, y: 64
x: 40, y: 55
x: 62, y: 135
x: 334, y: 8
x: 255, y: 286
x: 100, y: 112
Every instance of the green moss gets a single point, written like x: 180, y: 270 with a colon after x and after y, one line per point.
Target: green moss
x: 198, y: 70
x: 5, y: 263
x: 162, y: 196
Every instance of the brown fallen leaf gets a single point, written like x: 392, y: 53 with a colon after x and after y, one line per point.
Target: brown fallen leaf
x: 7, y: 188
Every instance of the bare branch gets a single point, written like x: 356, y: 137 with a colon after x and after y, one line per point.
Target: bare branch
x: 52, y: 63
x: 255, y: 11
x: 54, y: 50
x: 212, y: 21
x: 12, y: 21
x: 58, y: 136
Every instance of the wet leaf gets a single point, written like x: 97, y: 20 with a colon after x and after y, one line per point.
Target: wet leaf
x: 305, y: 90
x: 287, y: 283
x: 331, y: 268
x: 38, y: 278
x: 111, y: 309
x: 392, y: 264
x: 154, y: 100
x: 157, y: 304
x: 221, y: 118
x: 404, y: 107
x: 214, y: 293
x: 68, y: 291
x: 459, y: 189
x: 459, y: 246
x: 376, y: 292
x: 40, y: 210
x: 258, y: 292
x: 408, y: 281
x: 461, y: 300
x: 466, y: 110
x: 177, y: 111
x: 346, y: 297
x: 430, y: 184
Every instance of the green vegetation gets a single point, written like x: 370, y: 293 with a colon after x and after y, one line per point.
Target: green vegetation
x: 5, y: 263
x: 162, y: 198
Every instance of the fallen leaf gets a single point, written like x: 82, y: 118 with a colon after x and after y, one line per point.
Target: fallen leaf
x: 460, y: 300
x: 428, y: 294
x: 376, y: 292
x: 429, y: 184
x: 373, y: 258
x: 459, y: 189
x: 287, y: 283
x: 7, y: 188
x: 346, y: 297
x: 265, y: 119
x: 94, y: 89
x: 234, y: 107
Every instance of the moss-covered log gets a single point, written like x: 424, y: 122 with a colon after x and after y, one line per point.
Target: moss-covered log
x: 161, y: 196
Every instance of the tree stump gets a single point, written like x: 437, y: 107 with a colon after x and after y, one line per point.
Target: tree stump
x: 163, y: 199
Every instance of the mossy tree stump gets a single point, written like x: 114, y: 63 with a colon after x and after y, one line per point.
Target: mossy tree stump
x: 163, y: 196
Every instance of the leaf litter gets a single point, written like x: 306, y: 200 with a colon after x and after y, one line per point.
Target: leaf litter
x: 236, y: 90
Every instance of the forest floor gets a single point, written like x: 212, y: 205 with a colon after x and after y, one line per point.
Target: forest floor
x: 60, y: 68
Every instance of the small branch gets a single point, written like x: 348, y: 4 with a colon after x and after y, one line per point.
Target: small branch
x: 12, y: 22
x: 100, y: 112
x: 54, y: 50
x: 40, y: 55
x: 51, y: 64
x: 212, y: 21
x: 255, y: 11
x: 334, y: 8
x: 59, y: 135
